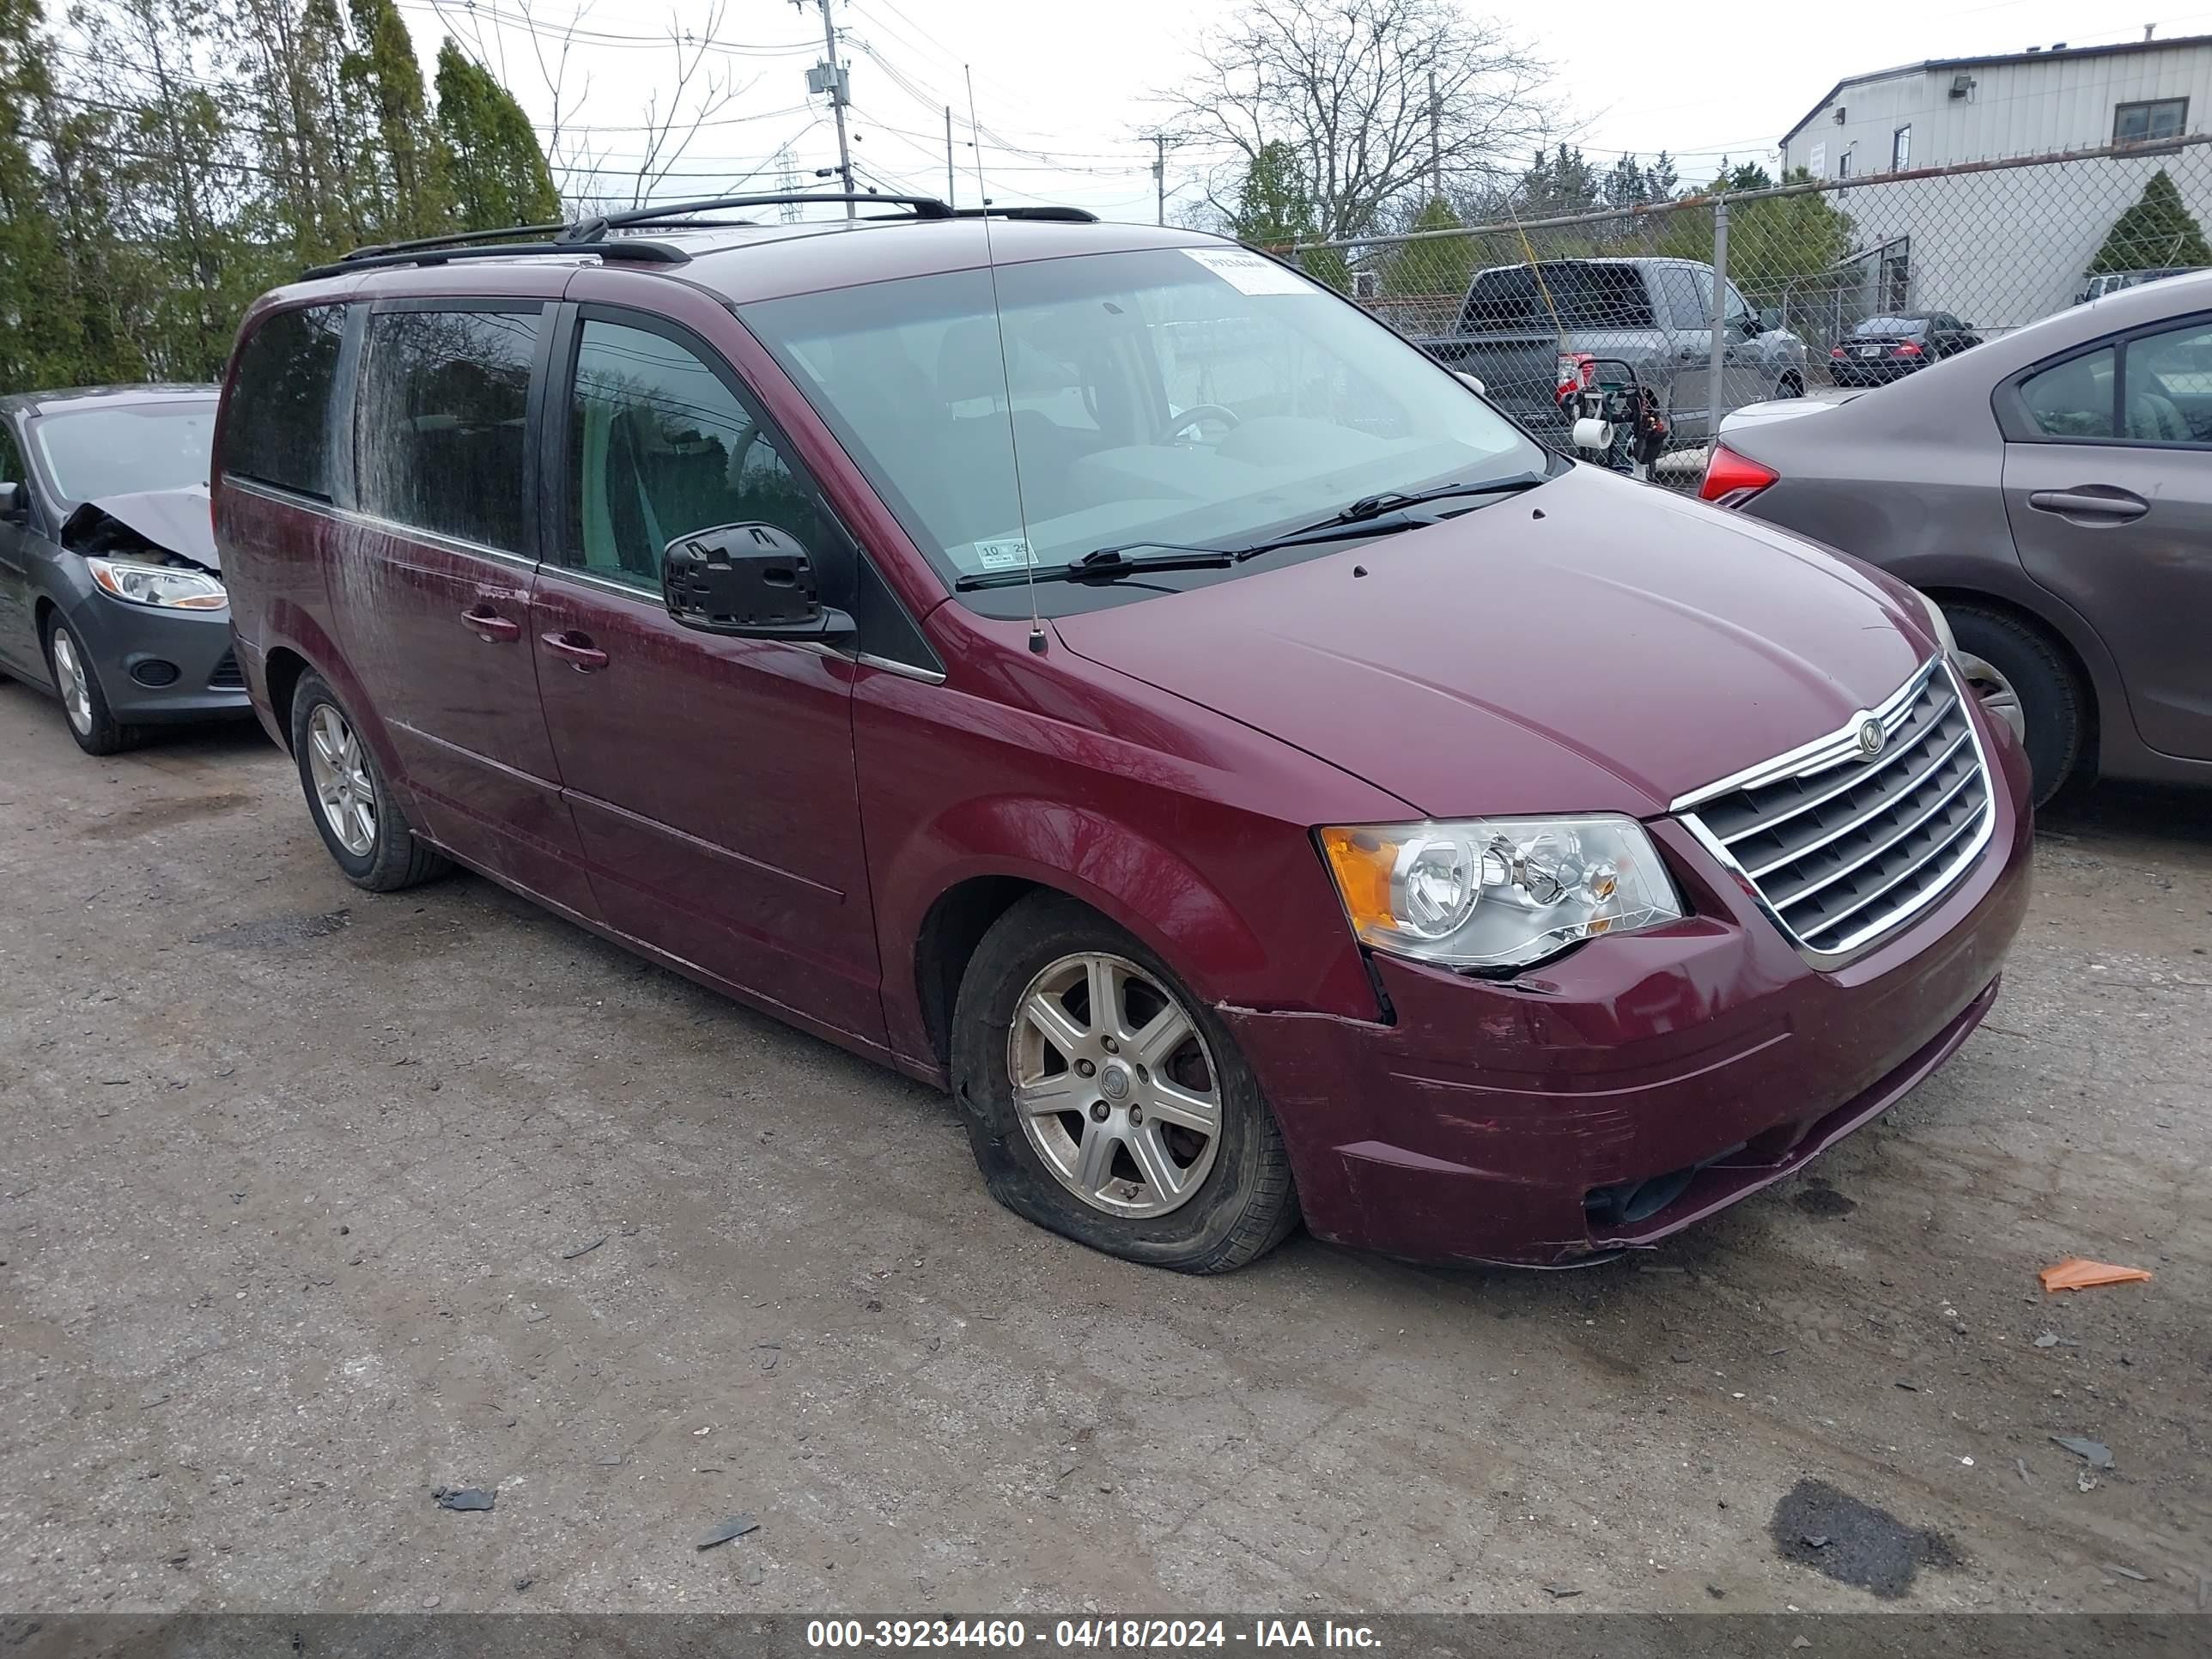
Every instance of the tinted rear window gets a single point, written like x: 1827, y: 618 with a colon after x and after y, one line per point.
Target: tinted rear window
x: 1585, y: 296
x: 279, y: 429
x: 440, y: 433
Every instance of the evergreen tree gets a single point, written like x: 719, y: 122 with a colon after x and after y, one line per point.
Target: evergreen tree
x: 1557, y: 181
x: 499, y: 176
x: 37, y: 344
x: 405, y: 174
x: 1442, y: 265
x: 1628, y: 184
x: 1660, y: 178
x: 2157, y: 230
x: 1272, y: 209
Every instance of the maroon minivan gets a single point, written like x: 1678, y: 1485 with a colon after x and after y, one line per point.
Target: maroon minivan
x: 1095, y: 670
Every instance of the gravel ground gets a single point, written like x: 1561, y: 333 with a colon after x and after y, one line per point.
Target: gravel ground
x: 313, y: 1202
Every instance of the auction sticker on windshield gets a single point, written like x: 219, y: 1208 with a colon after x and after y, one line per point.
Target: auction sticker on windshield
x: 1250, y: 273
x: 1009, y: 555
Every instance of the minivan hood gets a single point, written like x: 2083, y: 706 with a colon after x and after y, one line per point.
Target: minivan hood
x: 1593, y: 645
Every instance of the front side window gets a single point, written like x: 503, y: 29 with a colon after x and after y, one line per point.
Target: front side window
x: 2073, y: 400
x: 279, y: 429
x: 2168, y: 386
x: 2156, y: 117
x: 123, y: 449
x: 660, y: 447
x: 1187, y: 395
x: 11, y: 463
x: 440, y: 437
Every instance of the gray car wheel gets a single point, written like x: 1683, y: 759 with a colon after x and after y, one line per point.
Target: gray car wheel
x: 84, y: 704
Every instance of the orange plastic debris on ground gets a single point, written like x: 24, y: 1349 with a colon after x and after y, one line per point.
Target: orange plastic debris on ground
x: 2080, y: 1273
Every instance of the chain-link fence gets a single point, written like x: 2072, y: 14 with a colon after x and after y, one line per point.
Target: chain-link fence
x: 1716, y: 301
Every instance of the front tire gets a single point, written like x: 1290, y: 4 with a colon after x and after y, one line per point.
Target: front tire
x: 2025, y: 668
x: 349, y: 799
x: 84, y: 705
x: 1106, y: 1102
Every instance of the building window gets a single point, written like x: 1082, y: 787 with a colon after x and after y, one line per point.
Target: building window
x: 2158, y: 118
x: 1900, y: 148
x: 1844, y: 164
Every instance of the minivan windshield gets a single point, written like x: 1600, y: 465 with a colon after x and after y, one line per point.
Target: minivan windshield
x: 124, y: 449
x: 1201, y: 396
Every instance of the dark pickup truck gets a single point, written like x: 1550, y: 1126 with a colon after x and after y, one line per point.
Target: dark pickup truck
x: 1520, y: 325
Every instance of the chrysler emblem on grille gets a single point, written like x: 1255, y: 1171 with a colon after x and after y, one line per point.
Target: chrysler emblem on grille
x: 1871, y: 737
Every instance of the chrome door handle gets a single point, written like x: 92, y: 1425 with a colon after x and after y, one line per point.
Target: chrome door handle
x: 2089, y: 502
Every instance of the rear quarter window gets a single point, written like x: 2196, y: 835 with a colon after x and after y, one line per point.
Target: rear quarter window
x: 279, y: 428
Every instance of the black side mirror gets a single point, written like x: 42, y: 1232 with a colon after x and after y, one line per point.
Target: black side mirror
x: 751, y: 581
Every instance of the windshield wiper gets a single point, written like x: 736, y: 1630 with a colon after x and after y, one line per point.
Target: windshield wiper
x: 1108, y: 564
x: 1364, y: 517
x: 1373, y: 507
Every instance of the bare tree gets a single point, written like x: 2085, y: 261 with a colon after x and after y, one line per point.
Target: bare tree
x: 1377, y: 98
x: 687, y: 98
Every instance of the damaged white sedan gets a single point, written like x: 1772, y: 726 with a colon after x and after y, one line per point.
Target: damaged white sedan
x: 112, y: 597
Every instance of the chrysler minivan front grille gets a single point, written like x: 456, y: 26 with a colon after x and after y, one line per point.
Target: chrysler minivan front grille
x: 1856, y: 833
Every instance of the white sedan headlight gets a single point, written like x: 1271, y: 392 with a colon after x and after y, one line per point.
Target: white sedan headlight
x: 166, y: 586
x: 1497, y: 892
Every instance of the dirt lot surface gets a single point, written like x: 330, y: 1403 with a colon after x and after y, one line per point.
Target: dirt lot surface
x: 313, y: 1202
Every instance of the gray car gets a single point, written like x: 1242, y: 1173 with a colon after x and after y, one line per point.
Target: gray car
x: 111, y: 592
x: 2052, y: 490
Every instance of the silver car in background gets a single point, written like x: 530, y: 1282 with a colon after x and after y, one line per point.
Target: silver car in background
x: 2052, y: 491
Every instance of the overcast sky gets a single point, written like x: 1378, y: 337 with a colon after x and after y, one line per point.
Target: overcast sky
x: 1066, y: 83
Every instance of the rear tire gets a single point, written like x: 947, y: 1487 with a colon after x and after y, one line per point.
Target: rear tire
x: 1073, y: 1149
x: 2053, y: 705
x: 84, y: 705
x: 349, y: 799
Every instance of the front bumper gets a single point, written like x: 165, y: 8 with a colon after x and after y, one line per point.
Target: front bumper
x: 1619, y: 1094
x: 132, y: 644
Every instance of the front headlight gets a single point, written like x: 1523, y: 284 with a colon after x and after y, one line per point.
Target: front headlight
x: 1937, y: 623
x: 162, y: 585
x: 1497, y: 892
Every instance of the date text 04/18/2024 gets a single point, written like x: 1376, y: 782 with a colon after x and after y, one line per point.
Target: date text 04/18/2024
x: 1090, y: 1633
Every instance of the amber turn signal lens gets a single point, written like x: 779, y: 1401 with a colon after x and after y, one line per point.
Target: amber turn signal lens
x: 1362, y: 861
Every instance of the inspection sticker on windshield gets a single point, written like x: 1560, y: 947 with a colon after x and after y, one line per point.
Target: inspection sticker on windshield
x: 1009, y: 555
x: 1248, y: 273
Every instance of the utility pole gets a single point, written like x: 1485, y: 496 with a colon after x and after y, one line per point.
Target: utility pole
x: 1435, y: 141
x: 828, y: 76
x: 950, y: 193
x: 1160, y: 174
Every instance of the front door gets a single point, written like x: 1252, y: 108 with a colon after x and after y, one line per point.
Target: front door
x: 711, y: 779
x: 2108, y: 486
x: 432, y: 593
x: 20, y: 651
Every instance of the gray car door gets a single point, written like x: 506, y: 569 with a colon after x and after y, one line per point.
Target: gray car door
x: 2108, y: 489
x: 1687, y: 304
x: 19, y: 640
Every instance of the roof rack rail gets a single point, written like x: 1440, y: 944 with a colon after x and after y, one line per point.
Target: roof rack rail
x: 1057, y: 216
x: 590, y: 230
x: 452, y: 238
x: 635, y: 250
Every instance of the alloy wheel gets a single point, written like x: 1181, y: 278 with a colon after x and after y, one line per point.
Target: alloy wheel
x: 1114, y: 1085
x: 343, y: 792
x: 69, y: 677
x: 1996, y: 694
